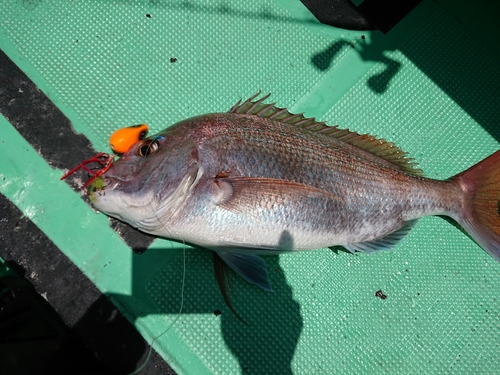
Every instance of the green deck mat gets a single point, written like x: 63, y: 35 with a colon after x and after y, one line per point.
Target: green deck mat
x: 431, y: 85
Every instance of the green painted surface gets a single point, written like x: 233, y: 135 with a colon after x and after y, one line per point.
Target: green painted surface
x: 5, y: 270
x: 431, y: 86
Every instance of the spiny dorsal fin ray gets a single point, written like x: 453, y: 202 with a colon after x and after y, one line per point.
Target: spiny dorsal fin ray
x: 377, y: 146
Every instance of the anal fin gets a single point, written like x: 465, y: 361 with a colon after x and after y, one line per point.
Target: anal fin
x: 384, y: 243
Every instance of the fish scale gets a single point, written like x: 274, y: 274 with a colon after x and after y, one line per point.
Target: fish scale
x: 328, y: 167
x: 260, y: 180
x: 261, y: 148
x: 277, y: 155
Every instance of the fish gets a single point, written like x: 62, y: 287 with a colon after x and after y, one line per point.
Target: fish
x: 259, y: 180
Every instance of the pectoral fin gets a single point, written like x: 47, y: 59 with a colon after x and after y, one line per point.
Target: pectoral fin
x: 251, y: 267
x: 244, y: 194
x: 385, y: 243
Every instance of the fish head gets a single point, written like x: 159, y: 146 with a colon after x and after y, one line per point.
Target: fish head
x: 147, y: 185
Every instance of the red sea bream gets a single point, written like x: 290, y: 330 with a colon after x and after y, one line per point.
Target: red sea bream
x: 259, y: 180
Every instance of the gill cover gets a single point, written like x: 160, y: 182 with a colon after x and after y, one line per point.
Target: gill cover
x: 170, y: 204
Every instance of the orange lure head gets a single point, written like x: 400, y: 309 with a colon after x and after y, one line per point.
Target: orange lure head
x: 121, y: 140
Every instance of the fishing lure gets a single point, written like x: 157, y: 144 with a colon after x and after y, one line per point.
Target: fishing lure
x: 120, y: 141
x: 105, y: 160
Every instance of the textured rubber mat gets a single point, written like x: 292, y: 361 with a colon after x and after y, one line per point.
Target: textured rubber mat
x: 431, y: 85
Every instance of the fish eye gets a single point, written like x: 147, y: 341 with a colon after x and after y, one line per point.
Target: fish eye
x: 148, y: 147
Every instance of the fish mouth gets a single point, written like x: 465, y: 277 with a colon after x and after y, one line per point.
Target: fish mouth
x: 107, y: 196
x: 99, y: 185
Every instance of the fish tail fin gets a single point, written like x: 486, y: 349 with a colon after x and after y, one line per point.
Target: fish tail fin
x: 481, y: 214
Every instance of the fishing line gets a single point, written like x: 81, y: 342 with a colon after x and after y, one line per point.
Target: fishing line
x: 171, y: 324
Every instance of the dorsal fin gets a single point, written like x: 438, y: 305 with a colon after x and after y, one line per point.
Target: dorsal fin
x: 377, y: 146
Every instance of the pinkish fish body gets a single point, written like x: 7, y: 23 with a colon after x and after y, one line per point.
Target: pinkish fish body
x: 259, y: 180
